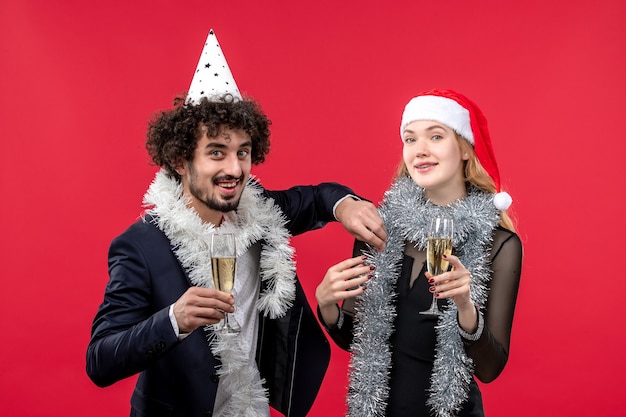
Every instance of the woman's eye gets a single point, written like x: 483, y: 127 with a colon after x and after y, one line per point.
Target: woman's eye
x: 437, y: 137
x: 409, y: 140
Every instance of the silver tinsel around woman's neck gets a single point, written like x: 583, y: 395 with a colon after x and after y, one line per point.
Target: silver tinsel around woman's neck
x: 407, y: 214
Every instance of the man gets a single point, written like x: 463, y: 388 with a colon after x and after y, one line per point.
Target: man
x: 160, y: 303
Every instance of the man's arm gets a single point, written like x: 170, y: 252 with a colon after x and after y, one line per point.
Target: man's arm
x: 311, y: 207
x: 127, y: 333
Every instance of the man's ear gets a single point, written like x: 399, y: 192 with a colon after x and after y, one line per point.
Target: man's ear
x: 181, y: 167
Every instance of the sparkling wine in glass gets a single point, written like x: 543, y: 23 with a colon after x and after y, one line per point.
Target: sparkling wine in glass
x: 223, y: 262
x: 439, y: 244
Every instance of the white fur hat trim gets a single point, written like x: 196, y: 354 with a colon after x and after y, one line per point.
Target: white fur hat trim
x: 438, y: 109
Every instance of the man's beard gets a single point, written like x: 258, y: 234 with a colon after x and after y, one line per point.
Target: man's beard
x: 211, y: 201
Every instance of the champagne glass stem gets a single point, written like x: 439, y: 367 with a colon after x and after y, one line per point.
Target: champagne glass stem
x: 433, y: 305
x: 226, y: 323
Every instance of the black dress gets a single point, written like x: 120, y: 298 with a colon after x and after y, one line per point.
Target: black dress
x: 413, y: 340
x: 413, y: 348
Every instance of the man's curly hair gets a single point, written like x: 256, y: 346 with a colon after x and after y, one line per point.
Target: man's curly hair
x: 173, y: 135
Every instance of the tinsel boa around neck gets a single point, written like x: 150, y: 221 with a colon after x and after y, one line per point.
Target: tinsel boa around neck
x: 407, y: 213
x: 257, y: 219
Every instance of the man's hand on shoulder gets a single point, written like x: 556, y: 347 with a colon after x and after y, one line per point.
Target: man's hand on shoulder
x: 362, y: 220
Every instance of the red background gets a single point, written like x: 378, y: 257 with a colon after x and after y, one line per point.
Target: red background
x: 80, y: 79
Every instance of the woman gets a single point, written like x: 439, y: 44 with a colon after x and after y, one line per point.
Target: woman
x: 409, y: 364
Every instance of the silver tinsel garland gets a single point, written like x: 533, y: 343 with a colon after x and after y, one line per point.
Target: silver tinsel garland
x: 256, y: 219
x: 407, y: 213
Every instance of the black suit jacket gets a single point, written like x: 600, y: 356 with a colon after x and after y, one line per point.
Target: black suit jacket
x: 132, y: 334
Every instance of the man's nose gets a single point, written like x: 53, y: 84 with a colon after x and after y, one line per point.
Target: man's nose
x: 232, y: 166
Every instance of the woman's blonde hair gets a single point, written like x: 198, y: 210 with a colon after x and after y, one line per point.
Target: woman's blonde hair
x: 475, y: 174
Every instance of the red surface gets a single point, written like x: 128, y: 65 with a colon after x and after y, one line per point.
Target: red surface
x: 80, y: 79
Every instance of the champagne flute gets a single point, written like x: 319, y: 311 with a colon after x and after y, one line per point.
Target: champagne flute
x: 223, y: 260
x: 439, y: 244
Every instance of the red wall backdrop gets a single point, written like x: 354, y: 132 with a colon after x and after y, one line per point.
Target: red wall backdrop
x: 80, y: 79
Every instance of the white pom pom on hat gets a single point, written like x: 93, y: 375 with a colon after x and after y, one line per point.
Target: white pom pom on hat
x: 502, y: 200
x: 464, y: 117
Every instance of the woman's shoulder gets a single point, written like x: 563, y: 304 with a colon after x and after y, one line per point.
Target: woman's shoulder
x: 503, y: 237
x: 504, y: 233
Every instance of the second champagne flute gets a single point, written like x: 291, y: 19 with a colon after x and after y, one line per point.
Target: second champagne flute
x: 223, y: 262
x: 439, y: 244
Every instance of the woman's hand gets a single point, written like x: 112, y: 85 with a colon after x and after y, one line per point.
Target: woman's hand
x: 343, y: 280
x: 455, y: 284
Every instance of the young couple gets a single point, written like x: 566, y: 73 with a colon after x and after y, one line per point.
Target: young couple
x: 160, y: 305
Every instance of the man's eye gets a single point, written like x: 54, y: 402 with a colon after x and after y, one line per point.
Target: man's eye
x: 409, y: 140
x: 244, y: 153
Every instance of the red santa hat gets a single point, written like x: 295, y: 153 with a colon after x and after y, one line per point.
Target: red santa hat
x: 464, y: 117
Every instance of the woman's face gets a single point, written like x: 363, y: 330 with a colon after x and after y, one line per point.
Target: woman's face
x: 434, y: 160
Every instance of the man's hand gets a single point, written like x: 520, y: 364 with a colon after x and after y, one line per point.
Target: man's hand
x: 201, y: 306
x: 362, y: 220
